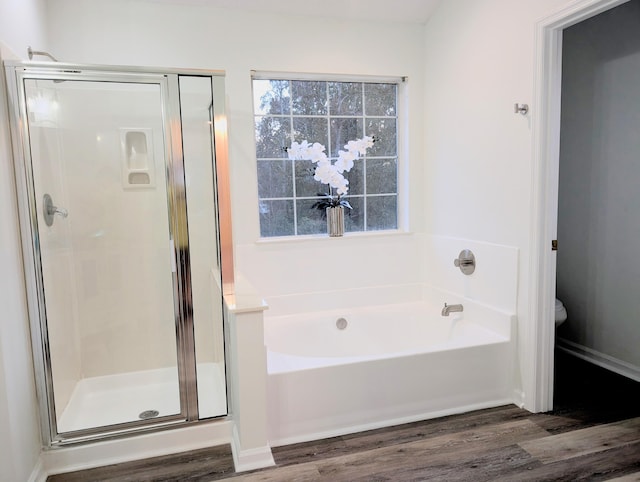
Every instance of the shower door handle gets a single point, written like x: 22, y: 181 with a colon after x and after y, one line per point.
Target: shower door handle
x: 49, y: 210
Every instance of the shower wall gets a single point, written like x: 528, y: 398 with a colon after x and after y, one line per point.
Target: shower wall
x: 64, y: 341
x: 122, y: 268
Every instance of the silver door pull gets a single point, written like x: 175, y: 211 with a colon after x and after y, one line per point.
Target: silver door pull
x: 50, y: 210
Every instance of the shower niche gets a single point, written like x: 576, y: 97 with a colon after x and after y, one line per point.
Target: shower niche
x: 138, y: 163
x: 125, y: 291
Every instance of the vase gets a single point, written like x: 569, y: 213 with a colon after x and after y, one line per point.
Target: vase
x: 335, y: 221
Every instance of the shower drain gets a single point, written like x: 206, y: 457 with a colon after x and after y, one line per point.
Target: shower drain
x: 341, y: 323
x: 148, y: 414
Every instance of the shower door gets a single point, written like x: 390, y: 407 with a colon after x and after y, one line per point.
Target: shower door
x: 108, y: 220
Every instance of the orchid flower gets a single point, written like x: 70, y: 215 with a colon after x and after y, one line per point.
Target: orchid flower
x: 330, y: 173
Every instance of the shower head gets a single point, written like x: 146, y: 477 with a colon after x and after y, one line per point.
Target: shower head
x: 32, y: 52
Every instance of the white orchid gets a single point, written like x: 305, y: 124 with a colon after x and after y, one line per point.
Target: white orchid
x: 304, y: 150
x: 345, y: 160
x: 330, y: 173
x: 360, y: 145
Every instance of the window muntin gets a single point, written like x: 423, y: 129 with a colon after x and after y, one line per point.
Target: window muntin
x: 331, y: 113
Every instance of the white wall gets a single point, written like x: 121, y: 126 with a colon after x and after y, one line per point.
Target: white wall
x: 189, y: 35
x: 480, y: 57
x: 20, y: 24
x: 598, y: 270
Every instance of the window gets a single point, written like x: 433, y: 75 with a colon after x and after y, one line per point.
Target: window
x: 331, y: 113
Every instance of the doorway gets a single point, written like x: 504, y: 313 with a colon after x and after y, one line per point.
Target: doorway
x: 598, y: 220
x: 546, y: 141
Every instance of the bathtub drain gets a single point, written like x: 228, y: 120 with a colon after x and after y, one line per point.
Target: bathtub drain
x: 341, y: 323
x: 148, y: 414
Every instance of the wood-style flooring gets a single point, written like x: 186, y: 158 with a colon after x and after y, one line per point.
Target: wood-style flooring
x: 592, y: 434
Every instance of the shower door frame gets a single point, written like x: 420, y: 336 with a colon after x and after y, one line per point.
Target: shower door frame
x: 167, y: 80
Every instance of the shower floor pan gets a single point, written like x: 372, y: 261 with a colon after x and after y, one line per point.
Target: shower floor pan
x: 128, y: 397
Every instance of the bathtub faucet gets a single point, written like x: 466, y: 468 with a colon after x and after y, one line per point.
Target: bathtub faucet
x: 451, y: 309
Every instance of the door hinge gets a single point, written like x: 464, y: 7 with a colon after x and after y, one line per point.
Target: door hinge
x: 554, y: 245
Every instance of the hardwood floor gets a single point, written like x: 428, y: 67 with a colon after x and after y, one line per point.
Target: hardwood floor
x: 592, y: 434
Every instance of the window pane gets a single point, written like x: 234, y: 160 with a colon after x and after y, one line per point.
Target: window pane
x: 382, y: 176
x: 345, y: 98
x: 342, y: 131
x: 332, y: 114
x: 276, y: 218
x: 274, y: 179
x: 271, y: 97
x: 382, y: 213
x: 272, y: 136
x: 309, y: 97
x: 310, y: 220
x: 311, y: 129
x: 356, y: 178
x: 380, y: 99
x: 306, y: 185
x: 354, y: 218
x: 384, y: 131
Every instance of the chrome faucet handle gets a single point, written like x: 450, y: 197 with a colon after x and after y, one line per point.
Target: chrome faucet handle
x: 466, y: 261
x: 49, y: 210
x: 62, y: 212
x: 462, y: 262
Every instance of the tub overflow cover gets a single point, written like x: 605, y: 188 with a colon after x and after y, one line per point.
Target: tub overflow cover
x: 341, y: 323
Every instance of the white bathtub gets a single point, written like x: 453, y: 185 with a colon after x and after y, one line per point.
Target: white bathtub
x: 392, y: 364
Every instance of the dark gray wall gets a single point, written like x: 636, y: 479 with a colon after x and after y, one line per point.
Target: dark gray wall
x: 598, y: 269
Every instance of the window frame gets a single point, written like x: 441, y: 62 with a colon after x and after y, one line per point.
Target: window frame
x: 401, y: 192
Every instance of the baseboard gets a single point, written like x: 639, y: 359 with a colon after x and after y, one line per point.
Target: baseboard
x: 38, y: 474
x: 518, y: 397
x: 98, y: 454
x: 601, y: 359
x: 249, y: 459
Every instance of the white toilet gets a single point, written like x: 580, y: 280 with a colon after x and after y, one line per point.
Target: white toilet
x: 561, y: 313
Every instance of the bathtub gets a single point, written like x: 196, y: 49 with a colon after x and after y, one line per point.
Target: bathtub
x: 390, y: 364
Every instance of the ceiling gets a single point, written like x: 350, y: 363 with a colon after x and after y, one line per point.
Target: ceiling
x: 408, y: 11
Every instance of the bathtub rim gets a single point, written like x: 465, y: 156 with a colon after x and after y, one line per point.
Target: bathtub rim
x: 500, y: 325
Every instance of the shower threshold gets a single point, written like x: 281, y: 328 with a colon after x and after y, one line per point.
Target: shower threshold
x: 115, y: 399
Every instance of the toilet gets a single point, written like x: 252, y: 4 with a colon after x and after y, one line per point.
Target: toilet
x: 561, y: 313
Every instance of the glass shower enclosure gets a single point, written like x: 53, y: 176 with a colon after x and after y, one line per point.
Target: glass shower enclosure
x: 117, y: 181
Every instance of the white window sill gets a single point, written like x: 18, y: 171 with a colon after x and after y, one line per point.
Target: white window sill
x: 321, y: 237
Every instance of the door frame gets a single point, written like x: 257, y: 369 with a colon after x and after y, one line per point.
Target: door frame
x: 544, y: 216
x: 167, y: 81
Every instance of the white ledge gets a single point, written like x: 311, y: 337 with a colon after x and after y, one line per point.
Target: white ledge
x: 244, y: 298
x: 237, y: 303
x: 323, y: 237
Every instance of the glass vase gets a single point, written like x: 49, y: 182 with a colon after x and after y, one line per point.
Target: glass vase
x: 335, y: 221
